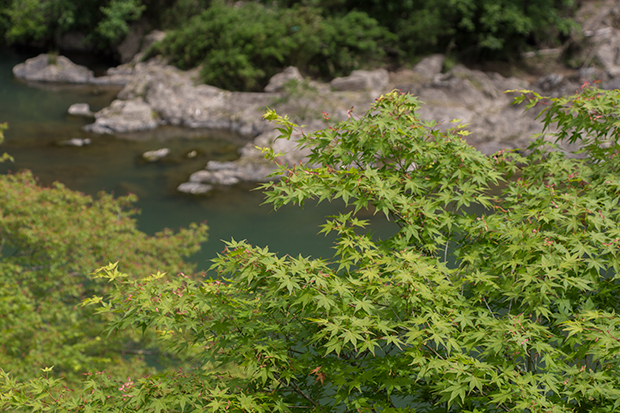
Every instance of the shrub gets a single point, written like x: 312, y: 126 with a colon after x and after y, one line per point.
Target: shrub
x: 43, y: 22
x: 473, y: 29
x: 511, y: 308
x: 241, y: 47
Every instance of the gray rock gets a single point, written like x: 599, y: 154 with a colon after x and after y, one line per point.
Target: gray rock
x: 174, y: 97
x: 219, y: 177
x: 76, y: 142
x: 130, y: 46
x: 153, y: 156
x: 124, y: 116
x: 48, y: 68
x: 80, y: 109
x: 430, y: 66
x: 277, y: 82
x: 549, y: 82
x: 608, y: 52
x: 194, y: 188
x: 361, y: 80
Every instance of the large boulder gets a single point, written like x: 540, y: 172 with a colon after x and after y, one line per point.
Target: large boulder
x: 52, y: 68
x: 430, y: 66
x: 130, y: 46
x: 278, y: 81
x: 598, y: 41
x: 124, y: 116
x: 362, y: 80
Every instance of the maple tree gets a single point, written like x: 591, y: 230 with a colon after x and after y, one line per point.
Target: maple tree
x: 478, y: 302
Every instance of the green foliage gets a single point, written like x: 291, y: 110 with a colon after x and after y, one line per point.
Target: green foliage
x: 42, y: 22
x: 478, y: 302
x: 113, y: 27
x: 5, y: 156
x: 241, y: 47
x: 51, y: 239
x: 176, y: 13
x: 476, y: 29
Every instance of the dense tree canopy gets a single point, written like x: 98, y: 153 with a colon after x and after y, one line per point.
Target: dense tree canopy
x: 498, y: 291
x: 43, y: 22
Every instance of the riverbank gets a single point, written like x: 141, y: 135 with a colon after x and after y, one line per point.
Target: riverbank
x: 156, y: 94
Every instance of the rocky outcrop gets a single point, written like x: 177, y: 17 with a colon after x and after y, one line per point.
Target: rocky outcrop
x: 124, y: 116
x: 478, y: 100
x: 48, y: 68
x: 362, y: 80
x: 136, y: 43
x: 52, y: 68
x: 251, y: 166
x: 163, y: 95
x: 430, y: 66
x: 277, y: 82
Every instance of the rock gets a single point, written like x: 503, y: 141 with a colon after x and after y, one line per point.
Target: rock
x: 148, y: 40
x: 130, y: 46
x: 549, y: 82
x: 590, y: 74
x: 361, y: 80
x: 608, y: 52
x: 80, y: 109
x: 220, y: 177
x: 156, y: 155
x: 601, y: 35
x: 124, y: 116
x: 152, y: 37
x: 173, y: 96
x: 194, y: 188
x: 50, y: 68
x: 430, y: 66
x: 76, y: 142
x: 192, y: 154
x: 277, y: 82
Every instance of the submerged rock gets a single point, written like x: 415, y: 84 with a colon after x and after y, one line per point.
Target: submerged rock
x: 76, y: 142
x: 81, y: 109
x: 156, y: 155
x: 194, y: 188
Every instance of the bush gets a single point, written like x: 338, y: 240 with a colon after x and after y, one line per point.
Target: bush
x: 241, y: 47
x: 43, y: 22
x: 471, y: 29
x: 511, y: 308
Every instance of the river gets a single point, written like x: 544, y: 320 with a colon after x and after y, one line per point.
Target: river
x: 38, y: 122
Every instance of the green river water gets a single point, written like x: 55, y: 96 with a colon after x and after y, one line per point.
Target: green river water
x: 37, y: 120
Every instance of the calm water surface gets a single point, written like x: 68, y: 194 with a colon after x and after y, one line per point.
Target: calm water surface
x: 38, y: 123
